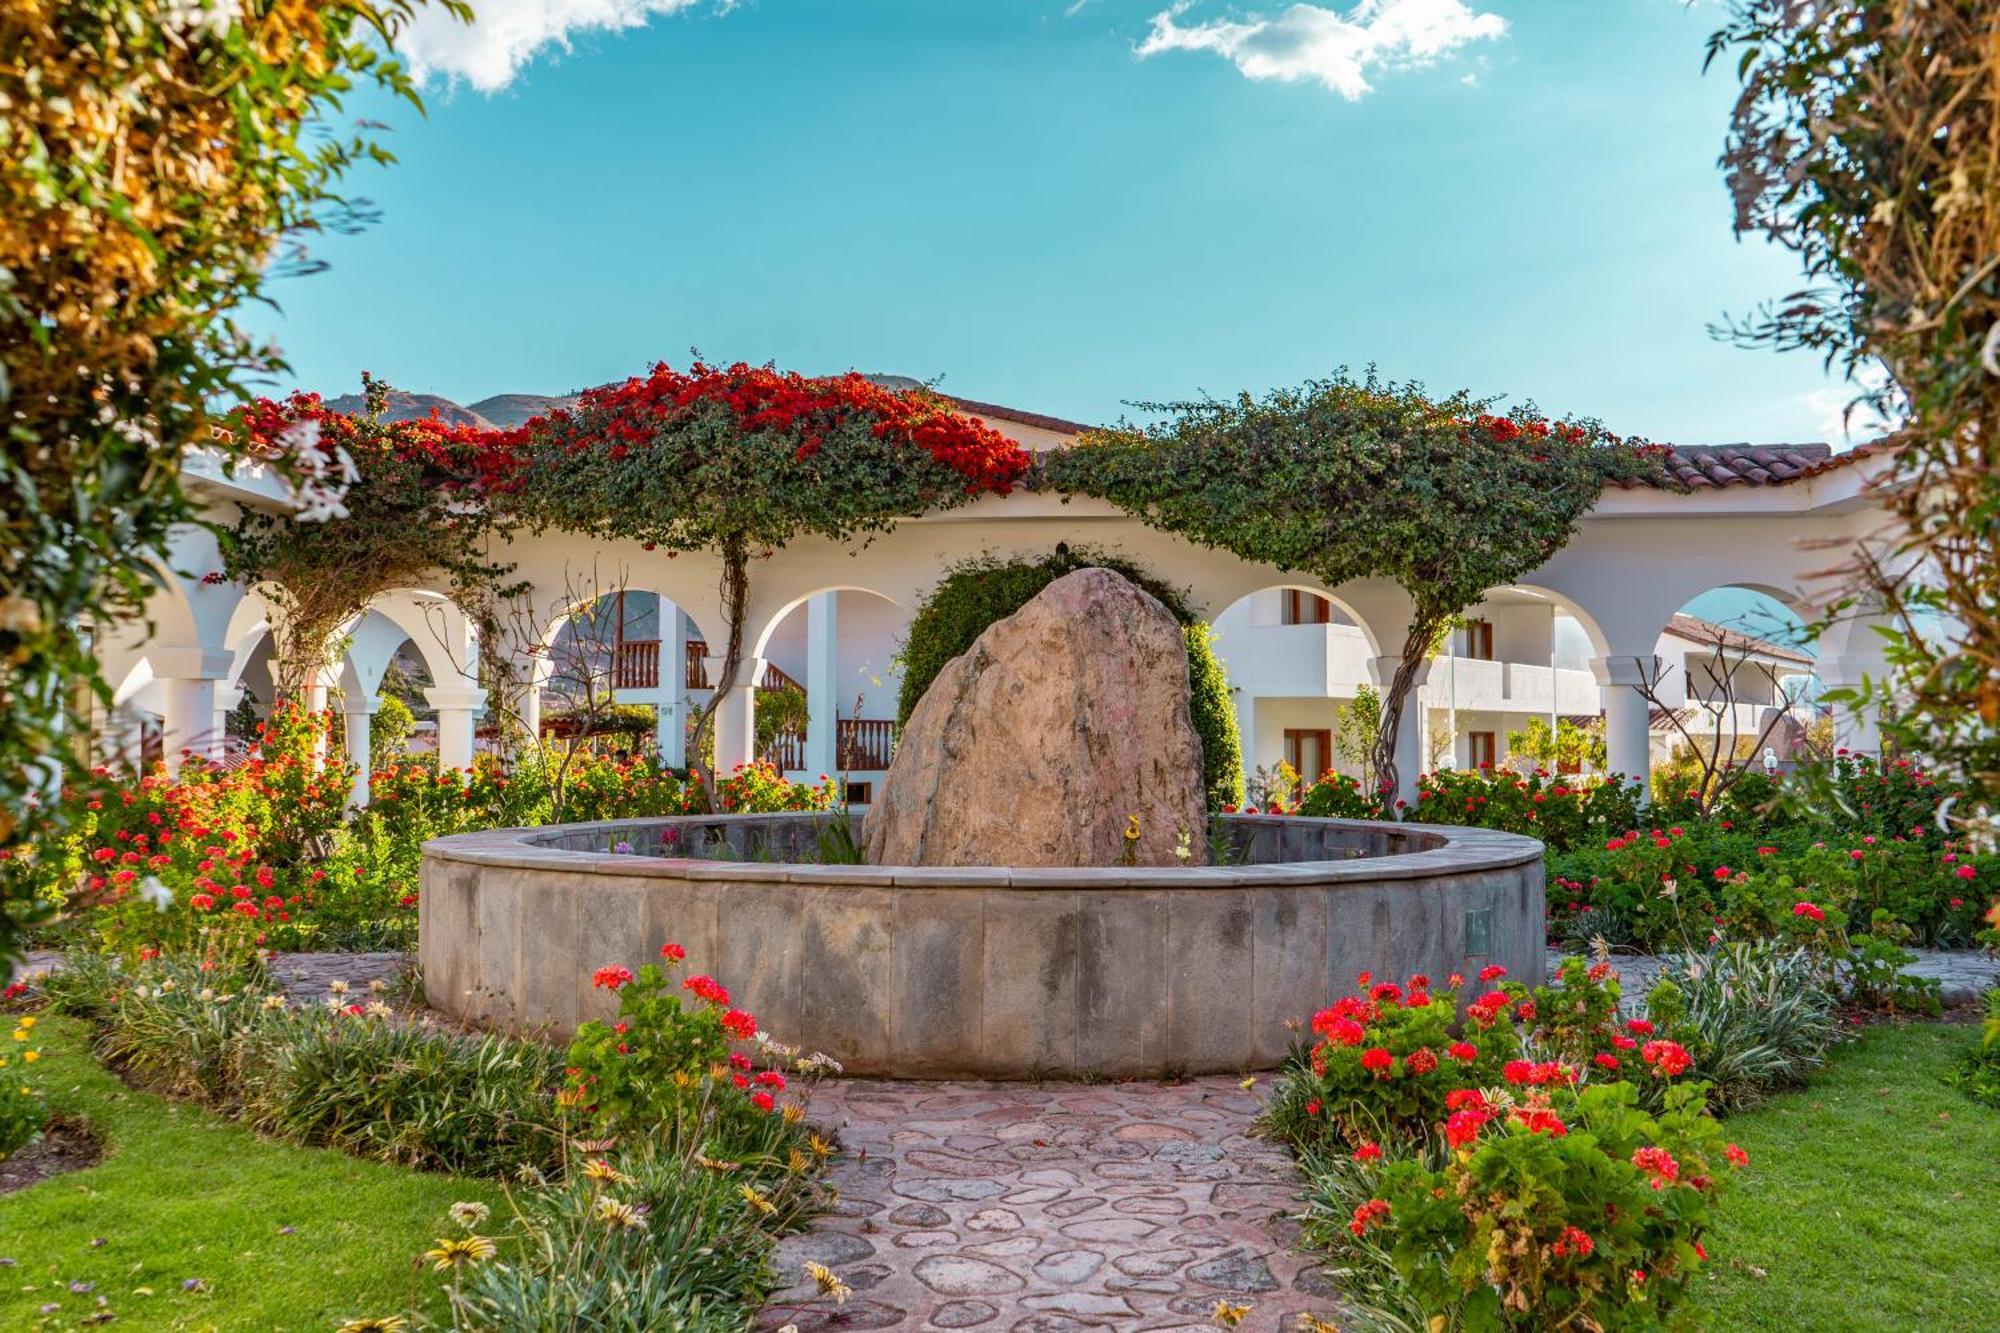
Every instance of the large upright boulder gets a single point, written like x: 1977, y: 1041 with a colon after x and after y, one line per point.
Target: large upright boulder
x: 1038, y: 745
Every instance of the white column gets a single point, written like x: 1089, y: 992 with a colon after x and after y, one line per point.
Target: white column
x: 1628, y: 746
x: 670, y: 727
x: 1857, y: 727
x: 190, y: 676
x: 456, y: 710
x: 315, y: 704
x: 736, y: 716
x: 822, y: 684
x: 360, y: 711
x: 1410, y: 730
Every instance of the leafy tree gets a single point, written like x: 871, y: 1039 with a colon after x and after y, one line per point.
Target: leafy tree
x: 153, y: 159
x: 1863, y: 141
x: 1567, y: 750
x: 1345, y: 479
x: 417, y: 507
x: 742, y: 460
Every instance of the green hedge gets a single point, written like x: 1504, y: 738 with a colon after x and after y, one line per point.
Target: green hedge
x: 975, y: 594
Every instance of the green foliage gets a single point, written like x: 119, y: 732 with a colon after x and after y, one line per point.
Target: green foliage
x: 696, y: 1264
x: 1755, y: 1017
x: 341, y: 1074
x: 1570, y: 750
x: 1862, y: 141
x: 653, y: 1065
x: 23, y: 1109
x: 1534, y: 1228
x: 976, y: 593
x: 1979, y: 1072
x: 779, y: 712
x: 389, y: 732
x: 1357, y: 731
x: 1565, y: 813
x: 1344, y: 479
x: 151, y: 160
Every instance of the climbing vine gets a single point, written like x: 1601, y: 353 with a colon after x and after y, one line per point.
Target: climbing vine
x: 741, y: 460
x: 1348, y: 479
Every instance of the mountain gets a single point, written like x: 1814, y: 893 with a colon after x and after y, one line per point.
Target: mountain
x: 503, y: 411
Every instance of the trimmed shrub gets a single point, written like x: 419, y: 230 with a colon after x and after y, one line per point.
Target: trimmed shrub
x: 973, y: 595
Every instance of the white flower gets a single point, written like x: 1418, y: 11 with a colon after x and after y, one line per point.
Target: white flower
x: 156, y: 893
x: 337, y: 987
x: 274, y: 1001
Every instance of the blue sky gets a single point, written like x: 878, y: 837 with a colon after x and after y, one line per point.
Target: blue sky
x: 1008, y: 195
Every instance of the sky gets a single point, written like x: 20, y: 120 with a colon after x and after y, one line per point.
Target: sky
x: 1066, y: 205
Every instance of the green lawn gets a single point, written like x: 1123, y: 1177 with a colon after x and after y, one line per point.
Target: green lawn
x: 281, y: 1239
x: 1872, y: 1199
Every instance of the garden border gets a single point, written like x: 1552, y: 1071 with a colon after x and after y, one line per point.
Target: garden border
x: 1005, y: 972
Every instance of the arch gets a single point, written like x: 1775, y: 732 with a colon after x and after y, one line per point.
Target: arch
x: 1600, y: 642
x: 444, y: 636
x: 759, y: 643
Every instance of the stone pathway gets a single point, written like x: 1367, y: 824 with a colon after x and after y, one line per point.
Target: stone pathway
x: 1041, y: 1208
x: 1966, y: 974
x: 305, y: 976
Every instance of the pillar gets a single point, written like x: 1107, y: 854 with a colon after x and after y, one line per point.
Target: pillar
x: 360, y: 714
x: 1628, y: 744
x: 1410, y: 737
x: 191, y: 676
x: 457, y: 710
x: 671, y: 713
x: 736, y: 716
x: 315, y: 704
x: 822, y: 684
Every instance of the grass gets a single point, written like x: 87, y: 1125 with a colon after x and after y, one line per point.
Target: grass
x: 281, y: 1239
x: 1872, y: 1199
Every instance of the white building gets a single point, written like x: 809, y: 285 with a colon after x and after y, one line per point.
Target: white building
x: 1570, y: 641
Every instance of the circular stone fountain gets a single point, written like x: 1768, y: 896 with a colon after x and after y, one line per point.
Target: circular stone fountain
x: 940, y: 971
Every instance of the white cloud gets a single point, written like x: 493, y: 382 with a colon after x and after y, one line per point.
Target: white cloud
x: 506, y: 34
x: 1843, y: 422
x: 1313, y: 42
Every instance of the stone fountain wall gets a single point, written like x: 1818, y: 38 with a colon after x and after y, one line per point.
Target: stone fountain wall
x: 995, y: 972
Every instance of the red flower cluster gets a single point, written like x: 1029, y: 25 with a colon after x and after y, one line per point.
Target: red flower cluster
x: 1368, y: 1214
x: 633, y: 414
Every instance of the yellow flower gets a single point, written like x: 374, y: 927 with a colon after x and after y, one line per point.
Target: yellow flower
x: 797, y: 1162
x: 450, y: 1252
x: 394, y: 1323
x: 1248, y: 1083
x: 1312, y: 1323
x: 31, y: 1056
x: 710, y: 1164
x: 621, y: 1216
x: 1225, y: 1315
x: 603, y: 1172
x: 819, y: 1146
x: 20, y: 1034
x: 792, y: 1113
x: 684, y: 1080
x: 28, y: 1021
x: 756, y: 1200
x: 828, y: 1282
x: 470, y: 1215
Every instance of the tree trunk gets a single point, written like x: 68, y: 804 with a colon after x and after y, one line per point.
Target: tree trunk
x: 1416, y: 649
x: 735, y: 599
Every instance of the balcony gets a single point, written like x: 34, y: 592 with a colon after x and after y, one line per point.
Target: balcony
x: 635, y: 665
x: 861, y: 745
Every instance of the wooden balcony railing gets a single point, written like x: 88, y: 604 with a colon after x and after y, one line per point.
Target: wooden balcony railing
x: 635, y: 665
x: 864, y: 743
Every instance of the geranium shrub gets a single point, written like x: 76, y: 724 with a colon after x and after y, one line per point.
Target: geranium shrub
x: 677, y: 1062
x: 1563, y: 812
x: 1559, y: 1207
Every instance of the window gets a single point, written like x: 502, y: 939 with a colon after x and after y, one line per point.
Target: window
x: 1306, y: 608
x: 860, y: 793
x: 1309, y: 752
x: 1479, y: 640
x: 1479, y: 745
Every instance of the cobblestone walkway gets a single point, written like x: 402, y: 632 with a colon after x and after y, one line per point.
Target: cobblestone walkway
x: 305, y: 976
x: 1965, y: 974
x: 1043, y: 1208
